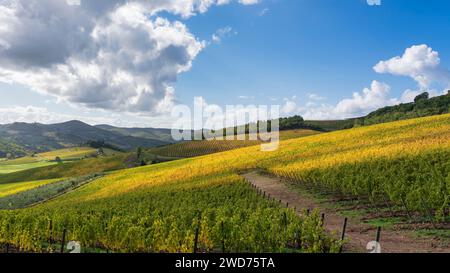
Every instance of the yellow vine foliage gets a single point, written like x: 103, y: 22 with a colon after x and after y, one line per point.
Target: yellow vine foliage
x: 361, y: 161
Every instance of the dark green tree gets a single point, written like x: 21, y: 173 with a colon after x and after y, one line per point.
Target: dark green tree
x: 138, y: 153
x: 421, y: 97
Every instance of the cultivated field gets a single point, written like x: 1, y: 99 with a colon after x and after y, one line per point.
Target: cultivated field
x: 44, y: 159
x: 159, y: 207
x: 15, y: 188
x: 11, y: 168
x: 204, y: 147
x: 68, y: 154
x: 71, y: 169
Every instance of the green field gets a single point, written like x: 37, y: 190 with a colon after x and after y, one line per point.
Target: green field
x: 71, y: 169
x: 44, y: 159
x: 11, y: 168
x: 157, y: 208
x: 67, y: 154
x: 64, y: 154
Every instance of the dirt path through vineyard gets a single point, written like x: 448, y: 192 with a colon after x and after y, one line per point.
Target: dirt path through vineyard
x: 359, y: 234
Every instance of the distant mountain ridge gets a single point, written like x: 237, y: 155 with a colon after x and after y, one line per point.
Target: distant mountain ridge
x: 150, y: 133
x: 20, y: 138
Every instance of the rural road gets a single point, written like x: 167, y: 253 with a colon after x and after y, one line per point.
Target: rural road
x: 359, y: 234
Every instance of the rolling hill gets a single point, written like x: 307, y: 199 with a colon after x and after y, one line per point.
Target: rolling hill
x: 19, y: 139
x: 71, y: 169
x: 422, y: 106
x: 50, y: 158
x: 157, y: 208
x: 204, y: 147
x: 147, y: 133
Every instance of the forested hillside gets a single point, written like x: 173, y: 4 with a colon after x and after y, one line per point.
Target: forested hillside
x: 421, y: 107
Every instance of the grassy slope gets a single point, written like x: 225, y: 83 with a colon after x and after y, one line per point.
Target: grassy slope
x: 391, y: 141
x: 9, y: 168
x: 44, y: 159
x: 127, y: 199
x: 64, y: 154
x: 69, y: 153
x: 73, y: 169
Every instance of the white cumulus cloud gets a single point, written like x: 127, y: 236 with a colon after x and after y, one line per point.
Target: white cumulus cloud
x: 360, y: 104
x: 419, y: 62
x: 118, y: 55
x: 369, y: 99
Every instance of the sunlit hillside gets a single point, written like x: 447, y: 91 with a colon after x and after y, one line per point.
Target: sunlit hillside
x: 204, y: 147
x: 45, y: 159
x: 156, y: 208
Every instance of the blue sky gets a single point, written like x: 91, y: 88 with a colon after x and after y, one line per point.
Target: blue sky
x: 300, y: 47
x: 309, y: 56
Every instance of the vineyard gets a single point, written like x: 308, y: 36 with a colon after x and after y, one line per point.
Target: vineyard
x: 43, y: 192
x: 204, y: 147
x: 158, y: 208
x: 418, y: 185
x: 201, y: 147
x: 14, y: 188
x: 404, y: 165
x: 228, y: 213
